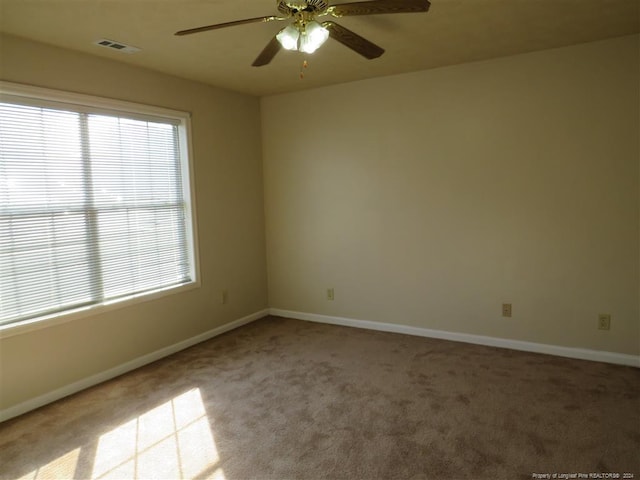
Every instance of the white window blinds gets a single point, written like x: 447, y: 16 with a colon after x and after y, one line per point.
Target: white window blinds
x: 93, y: 208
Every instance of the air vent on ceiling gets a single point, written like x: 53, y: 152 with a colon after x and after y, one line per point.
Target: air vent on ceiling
x: 119, y: 46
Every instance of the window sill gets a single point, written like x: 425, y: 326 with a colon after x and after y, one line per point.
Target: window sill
x: 38, y: 323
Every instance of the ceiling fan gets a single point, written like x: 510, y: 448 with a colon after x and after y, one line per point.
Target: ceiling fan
x: 306, y: 34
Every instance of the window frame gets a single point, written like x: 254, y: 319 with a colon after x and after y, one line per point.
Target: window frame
x: 101, y: 105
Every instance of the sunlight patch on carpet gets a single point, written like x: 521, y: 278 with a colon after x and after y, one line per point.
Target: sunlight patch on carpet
x: 62, y: 467
x: 173, y: 440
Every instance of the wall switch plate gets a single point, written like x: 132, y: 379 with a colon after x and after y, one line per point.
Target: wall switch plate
x: 506, y: 309
x: 224, y: 297
x: 604, y: 321
x: 330, y: 295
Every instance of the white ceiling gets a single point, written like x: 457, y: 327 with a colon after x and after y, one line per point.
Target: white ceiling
x: 452, y: 32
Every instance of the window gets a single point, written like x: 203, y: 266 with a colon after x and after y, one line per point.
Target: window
x: 95, y: 203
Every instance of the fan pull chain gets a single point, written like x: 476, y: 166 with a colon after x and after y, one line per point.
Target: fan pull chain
x: 302, y: 69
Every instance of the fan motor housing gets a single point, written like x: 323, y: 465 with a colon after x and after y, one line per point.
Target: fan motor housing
x: 290, y: 7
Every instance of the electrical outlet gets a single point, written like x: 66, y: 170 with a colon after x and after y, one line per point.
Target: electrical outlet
x: 506, y: 309
x: 604, y: 321
x: 330, y: 295
x: 224, y: 297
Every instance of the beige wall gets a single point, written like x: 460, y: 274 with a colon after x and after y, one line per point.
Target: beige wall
x: 429, y: 199
x: 228, y: 178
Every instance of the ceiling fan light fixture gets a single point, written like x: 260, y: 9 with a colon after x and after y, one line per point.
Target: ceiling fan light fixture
x: 313, y: 36
x: 288, y: 37
x: 306, y: 35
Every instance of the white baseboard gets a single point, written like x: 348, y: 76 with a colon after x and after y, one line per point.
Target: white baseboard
x: 75, y: 387
x: 579, y: 353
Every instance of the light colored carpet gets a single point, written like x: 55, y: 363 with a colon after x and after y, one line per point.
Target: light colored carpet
x: 286, y: 399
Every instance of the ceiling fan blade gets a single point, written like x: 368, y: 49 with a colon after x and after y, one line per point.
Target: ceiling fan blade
x: 266, y: 55
x: 373, y: 7
x: 227, y: 24
x: 352, y: 40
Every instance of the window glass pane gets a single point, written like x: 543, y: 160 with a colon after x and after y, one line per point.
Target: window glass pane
x: 134, y: 162
x: 143, y: 249
x: 41, y: 158
x: 43, y: 264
